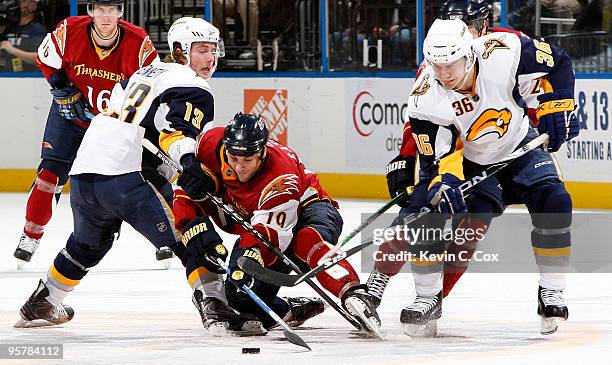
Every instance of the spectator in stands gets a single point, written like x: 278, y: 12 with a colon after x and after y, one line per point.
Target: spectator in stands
x: 591, y: 17
x: 248, y: 10
x: 523, y: 18
x: 19, y: 42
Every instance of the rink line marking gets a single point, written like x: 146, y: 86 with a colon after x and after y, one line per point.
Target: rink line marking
x: 577, y: 335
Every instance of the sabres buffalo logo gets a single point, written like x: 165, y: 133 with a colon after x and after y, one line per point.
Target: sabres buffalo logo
x: 491, y: 121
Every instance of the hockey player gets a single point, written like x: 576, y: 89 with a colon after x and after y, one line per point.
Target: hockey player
x: 173, y: 103
x: 469, y: 90
x: 476, y: 14
x: 82, y: 60
x: 269, y: 185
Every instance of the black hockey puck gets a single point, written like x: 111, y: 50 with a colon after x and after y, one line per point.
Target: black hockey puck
x: 251, y: 350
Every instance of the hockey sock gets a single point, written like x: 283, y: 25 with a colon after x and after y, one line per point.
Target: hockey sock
x: 309, y: 246
x: 56, y: 295
x: 391, y: 257
x: 460, y: 251
x: 40, y: 203
x: 211, y: 284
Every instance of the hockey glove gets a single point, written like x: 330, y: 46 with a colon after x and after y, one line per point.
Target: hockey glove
x: 445, y: 195
x: 71, y: 103
x: 555, y: 117
x: 239, y: 276
x: 400, y: 176
x: 204, y: 243
x: 195, y: 180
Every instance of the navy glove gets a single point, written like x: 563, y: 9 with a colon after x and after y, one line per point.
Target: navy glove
x: 204, y: 243
x: 555, y: 117
x: 445, y: 195
x: 239, y: 276
x: 71, y: 103
x: 400, y: 176
x: 194, y: 179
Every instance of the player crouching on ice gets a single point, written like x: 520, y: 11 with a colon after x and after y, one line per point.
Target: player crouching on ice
x: 470, y: 89
x: 268, y: 184
x: 108, y: 187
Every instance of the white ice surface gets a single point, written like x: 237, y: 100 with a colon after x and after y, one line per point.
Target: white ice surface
x: 129, y: 311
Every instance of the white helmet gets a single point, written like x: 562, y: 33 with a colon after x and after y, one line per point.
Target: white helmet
x: 189, y: 30
x: 448, y: 41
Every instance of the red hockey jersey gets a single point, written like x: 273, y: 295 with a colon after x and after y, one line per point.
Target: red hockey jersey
x: 272, y: 200
x: 94, y: 70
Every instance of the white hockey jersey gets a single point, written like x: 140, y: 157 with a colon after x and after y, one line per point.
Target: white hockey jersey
x: 491, y: 120
x: 165, y: 103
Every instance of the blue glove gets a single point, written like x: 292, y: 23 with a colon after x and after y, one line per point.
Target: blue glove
x: 204, y: 244
x: 194, y: 179
x: 445, y: 195
x: 71, y: 103
x: 239, y: 276
x: 555, y: 117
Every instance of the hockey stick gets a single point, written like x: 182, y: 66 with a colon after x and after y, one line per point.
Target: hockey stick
x: 290, y: 335
x: 282, y: 279
x: 366, y: 223
x: 229, y: 210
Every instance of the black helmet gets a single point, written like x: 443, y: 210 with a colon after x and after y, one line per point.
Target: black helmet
x: 245, y: 135
x: 469, y: 11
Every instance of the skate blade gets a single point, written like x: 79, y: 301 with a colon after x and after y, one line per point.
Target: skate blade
x: 357, y: 307
x: 430, y: 329
x: 20, y: 264
x: 24, y: 323
x: 548, y: 326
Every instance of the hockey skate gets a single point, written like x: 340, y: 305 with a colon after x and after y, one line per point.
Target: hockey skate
x: 551, y: 309
x: 164, y: 255
x: 360, y: 304
x: 25, y: 249
x: 303, y: 308
x: 220, y: 320
x: 38, y: 312
x: 377, y: 283
x: 421, y: 317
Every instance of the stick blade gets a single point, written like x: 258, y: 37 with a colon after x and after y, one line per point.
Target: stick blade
x: 267, y: 275
x: 295, y: 339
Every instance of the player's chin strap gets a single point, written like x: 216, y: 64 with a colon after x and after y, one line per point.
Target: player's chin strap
x: 281, y: 279
x: 229, y: 210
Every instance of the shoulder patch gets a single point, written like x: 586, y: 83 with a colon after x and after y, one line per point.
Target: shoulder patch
x: 492, y: 45
x: 422, y: 87
x: 60, y: 36
x: 281, y: 185
x: 146, y: 48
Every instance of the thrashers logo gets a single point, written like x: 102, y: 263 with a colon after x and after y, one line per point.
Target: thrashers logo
x: 490, y: 121
x: 280, y: 186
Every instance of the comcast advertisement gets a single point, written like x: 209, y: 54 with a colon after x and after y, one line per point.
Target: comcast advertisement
x: 376, y: 115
